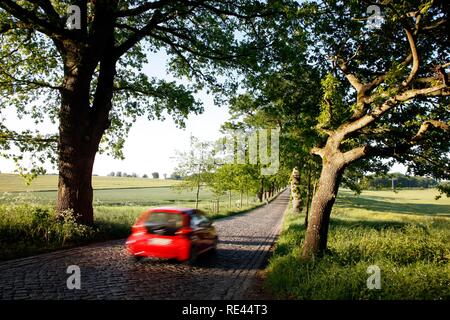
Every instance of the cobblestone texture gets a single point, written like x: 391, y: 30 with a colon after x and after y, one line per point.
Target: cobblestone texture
x: 107, y: 272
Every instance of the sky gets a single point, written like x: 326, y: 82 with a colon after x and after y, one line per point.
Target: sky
x: 151, y: 145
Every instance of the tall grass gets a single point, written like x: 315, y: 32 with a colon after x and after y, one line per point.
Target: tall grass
x: 28, y: 229
x: 411, y: 250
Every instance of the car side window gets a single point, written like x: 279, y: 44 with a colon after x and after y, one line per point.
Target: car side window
x: 203, y: 215
x: 194, y: 221
x: 197, y: 219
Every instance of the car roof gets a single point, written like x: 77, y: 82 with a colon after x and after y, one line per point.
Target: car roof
x: 188, y: 211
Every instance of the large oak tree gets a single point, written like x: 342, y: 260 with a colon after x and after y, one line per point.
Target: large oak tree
x: 384, y: 91
x: 87, y: 74
x: 395, y: 104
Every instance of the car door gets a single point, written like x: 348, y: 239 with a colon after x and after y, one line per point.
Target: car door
x: 198, y: 232
x: 208, y: 229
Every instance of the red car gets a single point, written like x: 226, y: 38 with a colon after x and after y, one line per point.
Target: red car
x: 172, y: 233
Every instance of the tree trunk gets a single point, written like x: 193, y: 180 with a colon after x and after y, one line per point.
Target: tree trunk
x: 261, y: 190
x: 229, y: 198
x: 295, y: 190
x: 308, y: 197
x: 197, y: 194
x: 82, y: 124
x: 315, y: 186
x: 324, y: 198
x: 76, y: 146
x: 75, y: 182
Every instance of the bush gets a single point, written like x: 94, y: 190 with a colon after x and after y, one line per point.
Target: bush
x: 26, y: 228
x: 68, y: 230
x: 42, y: 224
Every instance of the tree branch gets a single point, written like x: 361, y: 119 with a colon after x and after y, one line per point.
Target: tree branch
x: 435, y: 25
x: 189, y: 49
x: 401, y: 147
x: 48, y: 8
x: 425, y: 127
x: 354, y: 154
x: 40, y: 84
x: 350, y: 127
x: 5, y: 27
x: 354, y: 81
x: 143, y: 8
x: 415, y: 57
x: 28, y: 17
x: 17, y: 137
x: 138, y: 34
x: 318, y: 151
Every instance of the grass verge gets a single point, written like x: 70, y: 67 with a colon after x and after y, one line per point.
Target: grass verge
x: 412, y: 250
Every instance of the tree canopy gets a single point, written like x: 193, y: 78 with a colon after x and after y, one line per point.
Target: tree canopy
x: 199, y: 37
x: 357, y: 94
x: 80, y: 64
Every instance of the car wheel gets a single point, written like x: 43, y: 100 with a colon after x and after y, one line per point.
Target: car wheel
x: 136, y: 258
x: 214, y: 247
x: 193, y: 254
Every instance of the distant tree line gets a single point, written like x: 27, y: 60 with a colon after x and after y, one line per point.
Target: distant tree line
x: 155, y: 175
x: 397, y: 180
x: 123, y: 174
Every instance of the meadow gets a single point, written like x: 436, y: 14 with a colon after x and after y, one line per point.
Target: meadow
x: 406, y: 234
x: 15, y: 183
x: 27, y: 225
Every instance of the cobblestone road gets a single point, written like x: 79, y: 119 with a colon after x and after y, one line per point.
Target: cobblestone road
x: 108, y: 273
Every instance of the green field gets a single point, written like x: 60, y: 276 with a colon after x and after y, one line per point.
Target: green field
x: 125, y: 196
x: 406, y: 234
x: 15, y: 183
x: 405, y: 204
x: 113, y: 192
